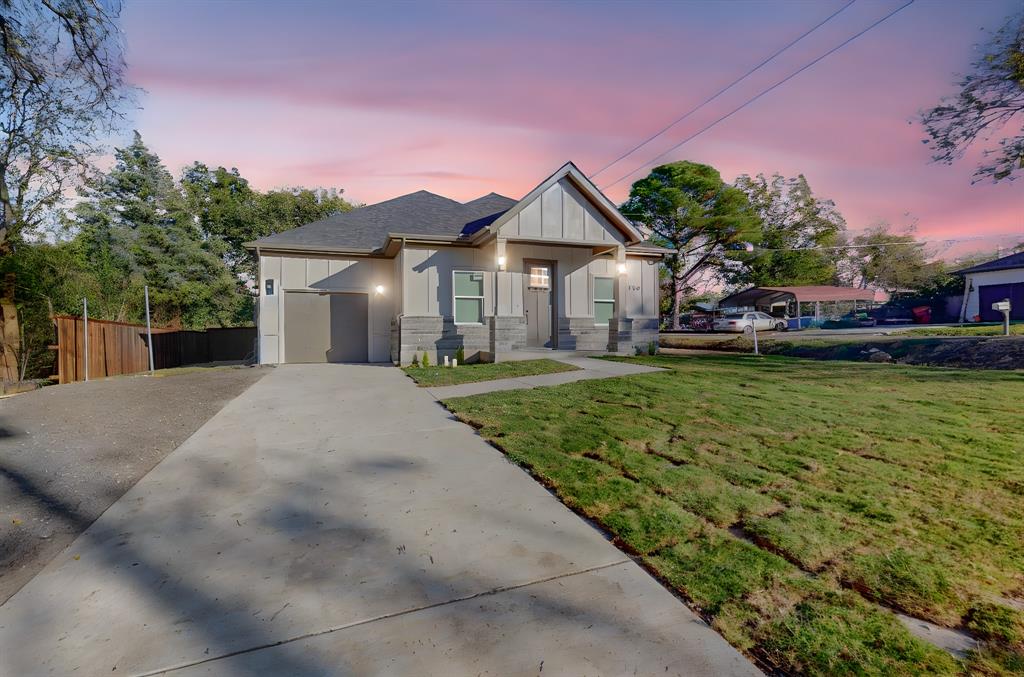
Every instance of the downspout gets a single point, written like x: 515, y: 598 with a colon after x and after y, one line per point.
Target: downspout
x: 259, y: 302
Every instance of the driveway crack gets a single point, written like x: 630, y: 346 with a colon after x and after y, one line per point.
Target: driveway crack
x: 382, y: 617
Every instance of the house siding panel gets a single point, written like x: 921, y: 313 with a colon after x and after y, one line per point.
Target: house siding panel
x: 551, y: 213
x: 322, y: 273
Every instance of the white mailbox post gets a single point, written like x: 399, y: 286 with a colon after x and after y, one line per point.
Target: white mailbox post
x: 1004, y: 308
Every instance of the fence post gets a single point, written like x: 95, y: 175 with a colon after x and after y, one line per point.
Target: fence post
x: 149, y: 331
x: 85, y: 317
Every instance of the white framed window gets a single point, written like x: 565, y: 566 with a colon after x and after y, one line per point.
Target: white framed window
x: 540, y: 277
x: 468, y: 296
x: 604, y: 300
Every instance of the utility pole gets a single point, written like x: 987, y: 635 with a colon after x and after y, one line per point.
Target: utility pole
x: 85, y: 318
x: 149, y: 330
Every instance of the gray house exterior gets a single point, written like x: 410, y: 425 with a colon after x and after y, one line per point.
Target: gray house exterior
x: 560, y: 269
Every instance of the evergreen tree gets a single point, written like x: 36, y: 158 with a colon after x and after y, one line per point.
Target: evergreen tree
x: 792, y: 219
x: 136, y: 229
x: 686, y: 206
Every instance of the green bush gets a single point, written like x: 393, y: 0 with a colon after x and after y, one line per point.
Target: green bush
x: 460, y: 355
x: 426, y: 360
x: 652, y: 348
x: 415, y: 360
x: 996, y: 622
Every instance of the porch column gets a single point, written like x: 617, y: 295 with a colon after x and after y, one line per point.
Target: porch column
x: 620, y: 334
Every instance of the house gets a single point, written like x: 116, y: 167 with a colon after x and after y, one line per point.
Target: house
x: 421, y: 273
x: 992, y: 281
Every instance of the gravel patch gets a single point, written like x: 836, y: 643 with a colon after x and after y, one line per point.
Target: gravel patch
x: 68, y: 452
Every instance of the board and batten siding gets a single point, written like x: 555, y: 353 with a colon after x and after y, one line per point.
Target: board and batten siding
x: 561, y: 213
x: 575, y: 269
x: 314, y: 273
x: 427, y: 277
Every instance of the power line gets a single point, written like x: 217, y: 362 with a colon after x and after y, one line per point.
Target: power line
x: 894, y: 243
x: 719, y: 92
x: 764, y: 92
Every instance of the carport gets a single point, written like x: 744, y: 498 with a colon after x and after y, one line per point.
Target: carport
x: 787, y: 301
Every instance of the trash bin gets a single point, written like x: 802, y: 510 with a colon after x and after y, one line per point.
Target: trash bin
x: 922, y: 314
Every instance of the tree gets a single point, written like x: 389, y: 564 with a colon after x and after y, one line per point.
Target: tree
x: 230, y: 213
x: 792, y: 219
x: 892, y: 262
x: 134, y: 220
x: 61, y: 88
x: 991, y: 98
x: 687, y: 207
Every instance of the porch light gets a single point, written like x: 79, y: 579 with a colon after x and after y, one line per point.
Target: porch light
x: 501, y: 263
x: 380, y: 289
x: 622, y: 268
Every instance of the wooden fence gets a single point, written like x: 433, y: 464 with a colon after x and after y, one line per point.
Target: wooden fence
x: 121, y: 348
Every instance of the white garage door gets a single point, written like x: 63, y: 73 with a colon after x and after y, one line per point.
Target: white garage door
x: 325, y: 327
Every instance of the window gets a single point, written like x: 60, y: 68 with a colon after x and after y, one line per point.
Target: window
x: 468, y: 296
x: 540, y: 278
x: 604, y: 299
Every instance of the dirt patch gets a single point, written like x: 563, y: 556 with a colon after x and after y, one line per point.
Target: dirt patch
x: 68, y: 452
x: 966, y: 352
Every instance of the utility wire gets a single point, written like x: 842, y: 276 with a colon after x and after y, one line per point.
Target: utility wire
x: 755, y: 98
x: 719, y: 92
x: 894, y: 243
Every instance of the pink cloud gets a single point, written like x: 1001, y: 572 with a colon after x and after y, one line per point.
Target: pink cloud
x: 464, y: 99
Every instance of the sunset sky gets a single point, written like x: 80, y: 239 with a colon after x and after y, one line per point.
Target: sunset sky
x: 462, y: 99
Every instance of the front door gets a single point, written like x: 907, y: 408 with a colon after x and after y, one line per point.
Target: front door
x: 538, y: 283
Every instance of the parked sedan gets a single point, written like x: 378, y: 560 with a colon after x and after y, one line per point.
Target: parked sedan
x: 747, y: 322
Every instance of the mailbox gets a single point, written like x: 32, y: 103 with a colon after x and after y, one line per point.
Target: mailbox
x: 270, y: 287
x: 1002, y: 306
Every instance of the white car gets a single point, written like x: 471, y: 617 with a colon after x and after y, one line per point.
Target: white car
x: 747, y: 322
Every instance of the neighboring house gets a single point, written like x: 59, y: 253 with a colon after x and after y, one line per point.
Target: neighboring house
x: 992, y: 281
x: 559, y: 269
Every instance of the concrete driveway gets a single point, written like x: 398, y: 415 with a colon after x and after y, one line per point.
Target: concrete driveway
x: 333, y: 520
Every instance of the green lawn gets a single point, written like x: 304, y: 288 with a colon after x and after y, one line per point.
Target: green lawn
x: 427, y: 377
x: 790, y: 500
x: 1016, y: 329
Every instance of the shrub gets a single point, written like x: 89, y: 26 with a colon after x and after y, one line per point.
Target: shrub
x: 652, y: 348
x: 426, y: 360
x: 415, y: 360
x: 460, y: 355
x: 996, y: 622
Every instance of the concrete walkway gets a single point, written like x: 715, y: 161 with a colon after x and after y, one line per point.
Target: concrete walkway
x: 589, y: 368
x: 334, y: 520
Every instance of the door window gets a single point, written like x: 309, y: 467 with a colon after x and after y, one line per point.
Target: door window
x: 468, y: 297
x: 540, y: 278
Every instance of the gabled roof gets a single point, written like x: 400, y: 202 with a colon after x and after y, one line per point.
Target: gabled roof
x: 1005, y: 263
x: 366, y: 228
x: 586, y: 186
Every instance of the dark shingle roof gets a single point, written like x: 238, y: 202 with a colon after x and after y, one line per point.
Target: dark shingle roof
x: 1005, y: 263
x: 419, y: 213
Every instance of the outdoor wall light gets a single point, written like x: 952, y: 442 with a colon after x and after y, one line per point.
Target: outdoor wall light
x: 501, y: 263
x: 380, y: 289
x: 622, y: 268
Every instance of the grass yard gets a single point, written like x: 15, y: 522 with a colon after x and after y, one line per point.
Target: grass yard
x: 1016, y: 329
x: 428, y: 377
x: 791, y: 501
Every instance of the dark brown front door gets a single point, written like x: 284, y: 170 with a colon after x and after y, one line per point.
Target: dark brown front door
x: 538, y: 288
